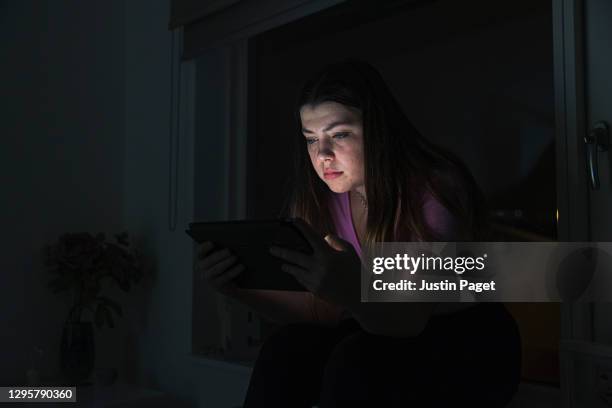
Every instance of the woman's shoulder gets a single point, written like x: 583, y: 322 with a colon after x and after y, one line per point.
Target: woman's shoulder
x: 438, y: 218
x: 453, y: 203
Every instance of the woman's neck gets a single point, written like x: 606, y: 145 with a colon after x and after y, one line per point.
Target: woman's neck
x: 359, y: 194
x: 360, y: 190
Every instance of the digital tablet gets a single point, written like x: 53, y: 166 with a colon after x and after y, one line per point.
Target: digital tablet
x: 250, y: 241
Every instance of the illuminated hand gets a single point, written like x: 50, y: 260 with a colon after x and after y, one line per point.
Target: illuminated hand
x: 332, y: 271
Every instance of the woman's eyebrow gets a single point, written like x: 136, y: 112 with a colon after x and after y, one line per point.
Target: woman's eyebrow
x: 332, y: 125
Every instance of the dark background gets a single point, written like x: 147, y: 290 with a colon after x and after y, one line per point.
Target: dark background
x: 86, y: 126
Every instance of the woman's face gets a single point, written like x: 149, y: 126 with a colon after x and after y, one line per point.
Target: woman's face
x: 334, y: 139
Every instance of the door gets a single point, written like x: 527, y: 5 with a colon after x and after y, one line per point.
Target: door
x: 583, y: 99
x: 582, y: 37
x: 598, y: 113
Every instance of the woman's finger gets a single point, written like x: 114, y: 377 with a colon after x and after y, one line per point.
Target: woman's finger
x: 214, y: 258
x: 301, y: 275
x: 298, y: 273
x: 219, y: 268
x: 315, y: 241
x: 204, y: 248
x: 292, y: 256
x: 229, y: 275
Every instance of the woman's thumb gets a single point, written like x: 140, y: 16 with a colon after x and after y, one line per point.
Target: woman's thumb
x: 336, y: 242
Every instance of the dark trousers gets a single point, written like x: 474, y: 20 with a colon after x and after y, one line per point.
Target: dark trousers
x: 470, y: 358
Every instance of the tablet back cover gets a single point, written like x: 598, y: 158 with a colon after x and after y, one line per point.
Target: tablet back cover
x: 250, y: 241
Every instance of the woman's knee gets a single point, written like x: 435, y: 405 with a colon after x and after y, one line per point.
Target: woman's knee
x: 290, y: 365
x: 350, y: 375
x: 362, y: 354
x: 291, y: 344
x: 351, y: 351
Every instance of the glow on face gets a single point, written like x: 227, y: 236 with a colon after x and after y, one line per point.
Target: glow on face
x: 334, y: 138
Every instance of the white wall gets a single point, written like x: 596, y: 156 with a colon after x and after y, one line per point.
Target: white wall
x: 62, y: 126
x: 84, y: 125
x: 165, y: 334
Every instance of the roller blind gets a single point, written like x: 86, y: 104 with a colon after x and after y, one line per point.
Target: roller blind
x: 209, y: 23
x: 183, y: 12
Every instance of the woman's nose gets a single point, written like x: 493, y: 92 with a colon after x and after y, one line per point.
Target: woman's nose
x: 325, y: 151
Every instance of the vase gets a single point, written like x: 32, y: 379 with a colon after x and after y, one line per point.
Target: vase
x: 77, y: 351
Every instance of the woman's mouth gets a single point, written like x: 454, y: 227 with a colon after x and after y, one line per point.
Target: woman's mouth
x: 332, y: 175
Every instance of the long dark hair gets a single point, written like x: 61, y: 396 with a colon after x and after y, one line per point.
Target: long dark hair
x: 400, y: 165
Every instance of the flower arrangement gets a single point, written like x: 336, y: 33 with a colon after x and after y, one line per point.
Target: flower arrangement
x: 81, y: 262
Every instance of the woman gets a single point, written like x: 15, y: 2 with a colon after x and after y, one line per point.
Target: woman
x: 365, y: 175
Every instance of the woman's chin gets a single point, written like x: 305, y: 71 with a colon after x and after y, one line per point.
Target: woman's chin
x: 338, y: 189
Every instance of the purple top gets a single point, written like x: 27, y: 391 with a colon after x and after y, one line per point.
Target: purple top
x: 437, y: 217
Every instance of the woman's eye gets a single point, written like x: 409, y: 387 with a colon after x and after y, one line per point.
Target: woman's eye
x: 310, y: 141
x: 341, y: 135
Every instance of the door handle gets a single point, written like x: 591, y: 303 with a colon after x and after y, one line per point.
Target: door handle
x: 597, y: 140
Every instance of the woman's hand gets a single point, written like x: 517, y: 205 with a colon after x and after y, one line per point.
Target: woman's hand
x: 218, y: 268
x: 332, y: 271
